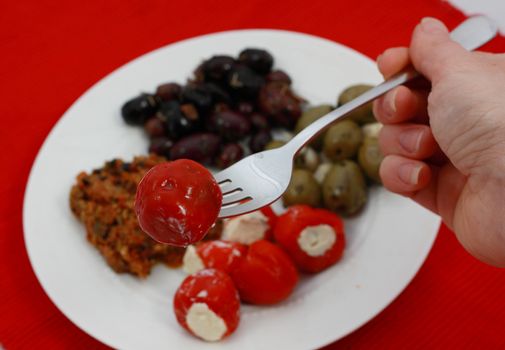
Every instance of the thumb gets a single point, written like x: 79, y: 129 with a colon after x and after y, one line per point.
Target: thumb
x: 432, y: 51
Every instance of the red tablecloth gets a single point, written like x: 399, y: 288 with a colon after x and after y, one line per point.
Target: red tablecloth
x: 51, y: 53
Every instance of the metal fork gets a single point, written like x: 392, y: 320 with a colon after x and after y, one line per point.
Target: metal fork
x: 262, y: 178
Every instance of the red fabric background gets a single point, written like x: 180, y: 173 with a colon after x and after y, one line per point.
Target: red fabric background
x: 52, y: 52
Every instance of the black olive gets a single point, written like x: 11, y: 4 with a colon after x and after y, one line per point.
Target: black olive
x: 198, y: 96
x: 221, y: 107
x: 169, y: 91
x: 216, y: 68
x: 161, y: 146
x: 177, y: 124
x: 259, y: 60
x: 137, y: 110
x: 217, y: 93
x: 258, y: 142
x: 244, y: 82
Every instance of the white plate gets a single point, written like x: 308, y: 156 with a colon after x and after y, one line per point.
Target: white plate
x: 387, y: 243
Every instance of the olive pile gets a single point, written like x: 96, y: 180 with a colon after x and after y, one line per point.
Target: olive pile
x: 224, y: 112
x: 228, y: 109
x: 334, y: 171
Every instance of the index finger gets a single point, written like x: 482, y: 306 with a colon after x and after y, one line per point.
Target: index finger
x: 393, y: 60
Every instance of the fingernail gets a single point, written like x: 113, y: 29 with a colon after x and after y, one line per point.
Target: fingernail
x: 390, y: 104
x: 410, y: 140
x: 409, y: 173
x: 432, y: 25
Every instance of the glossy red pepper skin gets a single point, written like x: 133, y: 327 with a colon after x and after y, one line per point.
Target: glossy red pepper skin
x: 177, y: 202
x: 221, y: 255
x: 272, y: 221
x: 214, y: 288
x: 266, y: 275
x: 294, y: 221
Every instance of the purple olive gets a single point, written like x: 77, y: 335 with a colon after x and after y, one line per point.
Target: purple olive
x: 271, y: 99
x: 201, y: 147
x: 245, y: 107
x: 169, y: 91
x: 230, y: 125
x: 288, y: 118
x: 231, y: 153
x: 259, y: 60
x: 161, y: 146
x: 155, y: 127
x: 279, y: 76
x: 259, y: 122
x: 258, y: 141
x: 279, y: 102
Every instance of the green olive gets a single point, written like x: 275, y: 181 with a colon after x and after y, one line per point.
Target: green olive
x: 310, y: 116
x: 344, y: 188
x: 363, y: 114
x: 274, y: 144
x: 302, y: 189
x: 342, y: 140
x: 307, y: 158
x: 370, y: 158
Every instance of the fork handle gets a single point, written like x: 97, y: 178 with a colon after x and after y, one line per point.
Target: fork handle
x: 471, y: 34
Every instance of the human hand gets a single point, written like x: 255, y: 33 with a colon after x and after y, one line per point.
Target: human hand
x: 445, y: 147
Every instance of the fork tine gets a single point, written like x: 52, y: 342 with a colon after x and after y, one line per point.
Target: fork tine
x: 238, y: 209
x: 231, y: 190
x: 234, y: 197
x: 223, y: 182
x: 225, y: 186
x: 222, y: 176
x: 263, y: 177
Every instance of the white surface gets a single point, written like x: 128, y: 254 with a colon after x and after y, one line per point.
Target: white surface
x: 494, y: 9
x: 386, y: 246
